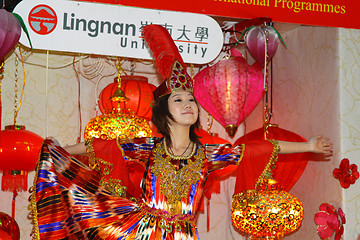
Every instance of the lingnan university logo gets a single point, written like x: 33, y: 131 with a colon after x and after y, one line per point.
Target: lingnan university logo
x: 42, y: 19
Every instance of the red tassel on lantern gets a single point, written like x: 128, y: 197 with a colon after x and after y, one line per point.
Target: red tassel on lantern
x: 19, y: 152
x: 14, y: 180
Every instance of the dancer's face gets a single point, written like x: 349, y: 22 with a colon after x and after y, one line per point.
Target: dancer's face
x: 183, y: 108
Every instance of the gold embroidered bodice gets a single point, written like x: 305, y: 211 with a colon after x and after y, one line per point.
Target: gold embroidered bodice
x: 175, y: 180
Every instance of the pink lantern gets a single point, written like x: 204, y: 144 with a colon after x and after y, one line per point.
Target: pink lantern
x: 10, y: 31
x: 255, y: 41
x: 229, y: 90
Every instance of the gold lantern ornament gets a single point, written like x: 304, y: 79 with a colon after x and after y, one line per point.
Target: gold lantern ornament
x: 118, y: 123
x: 268, y: 212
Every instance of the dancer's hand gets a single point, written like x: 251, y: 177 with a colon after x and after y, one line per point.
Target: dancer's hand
x: 321, y: 144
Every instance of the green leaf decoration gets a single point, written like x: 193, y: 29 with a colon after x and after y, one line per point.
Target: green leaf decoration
x: 23, y: 26
x: 281, y: 39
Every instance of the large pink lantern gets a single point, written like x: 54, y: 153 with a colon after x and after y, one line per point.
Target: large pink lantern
x: 10, y: 30
x: 229, y: 90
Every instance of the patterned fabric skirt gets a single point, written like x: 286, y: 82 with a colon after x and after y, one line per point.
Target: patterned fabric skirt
x: 68, y: 202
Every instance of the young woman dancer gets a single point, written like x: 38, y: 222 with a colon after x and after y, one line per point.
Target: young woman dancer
x: 70, y: 203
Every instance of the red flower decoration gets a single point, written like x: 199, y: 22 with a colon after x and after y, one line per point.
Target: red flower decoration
x: 329, y: 221
x: 347, y: 174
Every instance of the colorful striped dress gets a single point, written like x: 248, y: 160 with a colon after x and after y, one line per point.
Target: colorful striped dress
x: 71, y: 201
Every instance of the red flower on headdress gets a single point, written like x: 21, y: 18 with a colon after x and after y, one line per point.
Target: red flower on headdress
x: 346, y: 173
x: 329, y: 221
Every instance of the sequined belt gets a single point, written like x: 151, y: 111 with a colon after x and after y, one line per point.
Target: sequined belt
x: 166, y: 220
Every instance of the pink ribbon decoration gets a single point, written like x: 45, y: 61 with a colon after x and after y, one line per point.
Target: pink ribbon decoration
x: 256, y: 42
x: 10, y: 30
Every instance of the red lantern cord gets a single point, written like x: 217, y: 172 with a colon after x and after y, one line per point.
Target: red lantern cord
x: 208, y: 215
x: 15, y: 193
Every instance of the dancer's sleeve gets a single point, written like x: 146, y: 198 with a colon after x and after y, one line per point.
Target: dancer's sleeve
x: 220, y: 156
x: 252, y: 160
x: 257, y: 163
x: 120, y: 161
x: 68, y: 200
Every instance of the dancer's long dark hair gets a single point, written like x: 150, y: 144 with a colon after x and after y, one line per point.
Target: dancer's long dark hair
x: 160, y: 118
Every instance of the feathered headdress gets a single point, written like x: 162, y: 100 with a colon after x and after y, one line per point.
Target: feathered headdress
x: 168, y: 61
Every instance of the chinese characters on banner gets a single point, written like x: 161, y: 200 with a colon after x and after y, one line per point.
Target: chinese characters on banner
x: 115, y: 30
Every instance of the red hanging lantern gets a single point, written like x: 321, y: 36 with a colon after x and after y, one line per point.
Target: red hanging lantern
x: 19, y: 152
x: 4, y: 235
x: 10, y: 31
x: 234, y: 87
x: 9, y: 229
x: 289, y: 167
x: 137, y: 89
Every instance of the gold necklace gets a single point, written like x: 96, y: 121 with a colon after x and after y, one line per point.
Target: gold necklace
x: 180, y: 157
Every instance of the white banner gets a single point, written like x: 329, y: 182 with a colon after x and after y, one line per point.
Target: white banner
x: 115, y: 30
